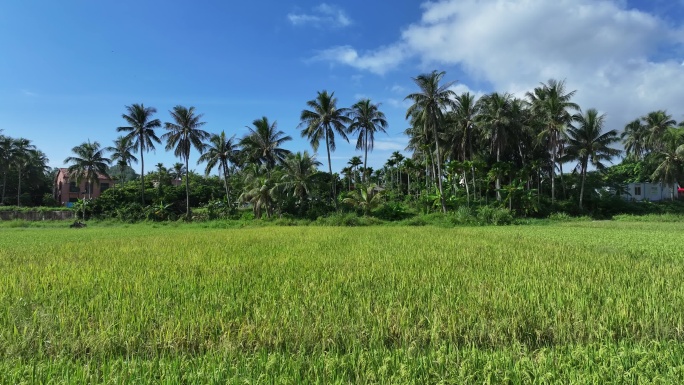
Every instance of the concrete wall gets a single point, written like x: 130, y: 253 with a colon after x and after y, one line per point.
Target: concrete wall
x: 649, y: 191
x: 36, y: 215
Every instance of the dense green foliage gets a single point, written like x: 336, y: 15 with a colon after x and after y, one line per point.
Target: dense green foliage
x: 497, y: 150
x: 573, y: 302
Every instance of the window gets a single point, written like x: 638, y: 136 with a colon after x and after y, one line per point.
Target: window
x: 637, y: 190
x: 73, y: 200
x: 104, y: 187
x: 73, y: 188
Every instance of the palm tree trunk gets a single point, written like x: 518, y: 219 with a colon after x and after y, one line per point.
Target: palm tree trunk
x: 187, y: 188
x: 408, y: 182
x: 332, y: 181
x: 465, y: 182
x: 142, y: 173
x: 439, y: 170
x: 498, y: 173
x: 562, y: 180
x: 225, y: 182
x: 19, y: 188
x: 584, y: 177
x: 365, y: 156
x: 553, y: 172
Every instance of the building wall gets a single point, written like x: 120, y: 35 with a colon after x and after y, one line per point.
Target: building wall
x: 649, y: 191
x: 66, y: 191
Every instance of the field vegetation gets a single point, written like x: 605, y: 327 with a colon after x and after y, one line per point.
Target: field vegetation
x: 575, y: 301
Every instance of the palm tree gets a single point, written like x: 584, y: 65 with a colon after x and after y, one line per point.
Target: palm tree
x: 671, y: 158
x: 366, y: 198
x: 323, y: 121
x: 429, y: 105
x: 162, y: 175
x: 552, y: 106
x: 367, y: 119
x: 122, y: 154
x: 656, y: 124
x: 354, y: 163
x: 635, y: 139
x: 20, y: 154
x: 259, y: 189
x: 495, y: 120
x: 177, y: 171
x: 588, y: 143
x: 220, y: 151
x: 301, y: 170
x: 88, y: 164
x: 184, y: 134
x: 263, y: 143
x: 141, y: 133
x: 347, y: 172
x: 6, y: 152
x: 464, y: 118
x: 397, y: 157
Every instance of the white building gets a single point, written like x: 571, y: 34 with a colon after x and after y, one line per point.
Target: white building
x: 650, y: 191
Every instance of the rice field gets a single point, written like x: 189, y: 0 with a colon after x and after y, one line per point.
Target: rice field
x: 575, y: 302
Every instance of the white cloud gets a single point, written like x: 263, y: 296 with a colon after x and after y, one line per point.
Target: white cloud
x: 399, y: 103
x: 620, y: 60
x: 390, y: 144
x: 461, y: 88
x: 377, y: 62
x: 397, y: 89
x: 321, y: 16
x: 28, y: 93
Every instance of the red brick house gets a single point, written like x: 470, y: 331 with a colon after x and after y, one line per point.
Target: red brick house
x: 66, y: 191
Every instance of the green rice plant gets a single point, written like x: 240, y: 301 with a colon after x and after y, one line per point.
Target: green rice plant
x: 569, y: 302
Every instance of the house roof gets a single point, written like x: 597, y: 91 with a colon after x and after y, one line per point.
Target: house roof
x: 65, y: 171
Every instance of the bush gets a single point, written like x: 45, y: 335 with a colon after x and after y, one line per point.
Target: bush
x: 347, y: 220
x: 487, y: 215
x: 392, y: 211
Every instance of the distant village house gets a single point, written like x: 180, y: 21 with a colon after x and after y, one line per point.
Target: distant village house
x: 66, y: 191
x: 652, y: 191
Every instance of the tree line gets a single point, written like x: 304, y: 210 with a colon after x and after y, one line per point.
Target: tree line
x: 497, y: 149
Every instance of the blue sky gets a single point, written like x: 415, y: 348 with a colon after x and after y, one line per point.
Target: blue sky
x: 69, y: 68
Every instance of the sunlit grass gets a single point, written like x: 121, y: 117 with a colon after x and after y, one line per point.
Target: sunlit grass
x: 571, y: 302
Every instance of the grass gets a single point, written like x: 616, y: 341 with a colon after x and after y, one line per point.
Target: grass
x: 569, y: 302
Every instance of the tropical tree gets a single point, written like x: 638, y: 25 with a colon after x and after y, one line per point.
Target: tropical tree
x: 162, y: 175
x: 464, y: 118
x: 183, y: 134
x: 397, y: 159
x: 141, y: 133
x: 354, y: 164
x: 88, y: 163
x: 588, y: 143
x: 260, y: 189
x: 299, y: 178
x: 177, y: 171
x: 656, y: 123
x: 429, y: 106
x: 263, y: 143
x: 365, y: 198
x: 495, y: 121
x: 671, y: 158
x: 219, y: 152
x: 367, y: 119
x: 635, y: 138
x: 321, y: 122
x: 122, y: 154
x: 6, y: 152
x: 552, y: 106
x: 20, y: 154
